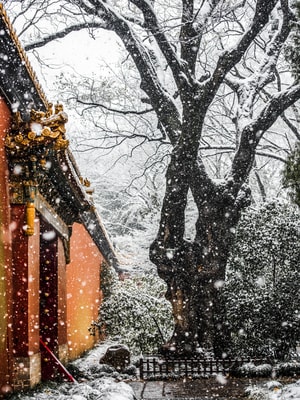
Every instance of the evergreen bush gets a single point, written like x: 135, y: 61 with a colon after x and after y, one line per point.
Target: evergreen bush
x: 262, y: 286
x: 137, y: 314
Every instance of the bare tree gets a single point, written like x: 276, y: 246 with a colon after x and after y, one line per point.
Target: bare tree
x: 197, y: 60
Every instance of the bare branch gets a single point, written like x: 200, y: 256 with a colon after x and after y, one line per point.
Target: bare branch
x: 161, y: 101
x: 61, y: 34
x: 119, y: 111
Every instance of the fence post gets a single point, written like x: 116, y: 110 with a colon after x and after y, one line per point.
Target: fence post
x: 141, y: 368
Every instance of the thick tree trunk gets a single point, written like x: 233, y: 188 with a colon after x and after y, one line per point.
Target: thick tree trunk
x: 195, y: 271
x: 193, y: 291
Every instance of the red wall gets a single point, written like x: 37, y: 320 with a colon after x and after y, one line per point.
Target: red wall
x: 83, y: 290
x: 77, y: 293
x: 5, y: 249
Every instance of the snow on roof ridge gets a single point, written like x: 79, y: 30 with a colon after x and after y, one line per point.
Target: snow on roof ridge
x: 23, y: 55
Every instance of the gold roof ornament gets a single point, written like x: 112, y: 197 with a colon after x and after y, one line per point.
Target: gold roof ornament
x: 43, y: 128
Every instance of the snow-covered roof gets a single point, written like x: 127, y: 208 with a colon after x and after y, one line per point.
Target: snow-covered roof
x: 18, y: 81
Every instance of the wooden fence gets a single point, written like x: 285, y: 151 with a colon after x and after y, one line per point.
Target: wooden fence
x: 157, y: 367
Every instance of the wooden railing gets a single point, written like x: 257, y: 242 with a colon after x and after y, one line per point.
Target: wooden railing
x: 158, y: 367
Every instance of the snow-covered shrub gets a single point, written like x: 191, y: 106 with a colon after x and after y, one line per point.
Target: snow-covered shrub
x: 262, y: 284
x: 292, y: 48
x: 288, y: 369
x: 254, y: 371
x: 108, y: 278
x: 137, y: 314
x: 267, y: 391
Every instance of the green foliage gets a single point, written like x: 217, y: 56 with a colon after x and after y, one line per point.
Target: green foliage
x: 108, y: 277
x: 254, y: 371
x: 291, y: 175
x: 262, y: 285
x: 288, y: 369
x: 137, y: 314
x: 292, y: 51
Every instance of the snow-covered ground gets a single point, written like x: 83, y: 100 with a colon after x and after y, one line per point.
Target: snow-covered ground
x: 274, y: 390
x: 96, y: 381
x: 101, y: 382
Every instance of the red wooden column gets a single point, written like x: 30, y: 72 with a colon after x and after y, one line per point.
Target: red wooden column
x: 25, y: 271
x: 48, y: 301
x: 53, y: 327
x: 63, y: 351
x: 5, y: 259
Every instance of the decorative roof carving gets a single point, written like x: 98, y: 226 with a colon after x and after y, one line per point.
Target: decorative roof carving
x: 43, y: 128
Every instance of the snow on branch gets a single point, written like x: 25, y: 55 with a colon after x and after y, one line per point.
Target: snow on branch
x: 193, y: 24
x: 151, y: 23
x: 231, y: 57
x: 254, y: 131
x: 248, y: 89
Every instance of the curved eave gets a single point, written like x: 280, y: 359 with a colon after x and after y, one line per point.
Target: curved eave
x: 94, y: 226
x: 64, y: 174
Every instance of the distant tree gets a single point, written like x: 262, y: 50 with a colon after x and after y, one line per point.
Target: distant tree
x: 292, y: 52
x: 291, y: 172
x: 197, y: 60
x: 262, y: 285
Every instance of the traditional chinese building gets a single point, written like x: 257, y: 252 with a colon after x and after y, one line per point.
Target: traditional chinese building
x: 52, y: 242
